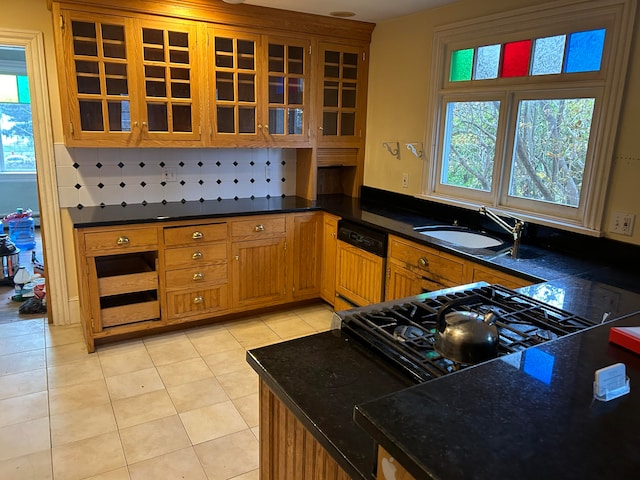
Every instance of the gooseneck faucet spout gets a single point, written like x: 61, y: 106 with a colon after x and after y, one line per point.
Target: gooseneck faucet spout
x: 515, y: 230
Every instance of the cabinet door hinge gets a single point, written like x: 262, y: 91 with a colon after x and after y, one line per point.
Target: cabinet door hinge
x: 71, y: 128
x: 309, y: 49
x: 285, y: 246
x: 93, y: 328
x: 364, y: 56
x: 61, y: 22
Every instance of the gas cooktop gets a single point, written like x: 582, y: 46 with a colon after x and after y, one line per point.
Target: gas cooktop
x: 404, y: 331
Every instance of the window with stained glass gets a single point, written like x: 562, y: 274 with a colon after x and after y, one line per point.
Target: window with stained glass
x: 17, y: 152
x: 523, y: 123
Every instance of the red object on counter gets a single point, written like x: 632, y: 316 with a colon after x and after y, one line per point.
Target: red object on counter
x: 627, y: 337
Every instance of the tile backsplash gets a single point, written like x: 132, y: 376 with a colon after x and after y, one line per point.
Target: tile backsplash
x: 109, y: 176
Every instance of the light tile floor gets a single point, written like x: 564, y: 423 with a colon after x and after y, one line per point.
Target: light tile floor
x: 182, y: 405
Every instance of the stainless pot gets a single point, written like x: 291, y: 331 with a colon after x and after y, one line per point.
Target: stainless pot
x: 466, y: 336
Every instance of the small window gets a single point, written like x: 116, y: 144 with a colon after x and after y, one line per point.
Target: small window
x: 17, y: 152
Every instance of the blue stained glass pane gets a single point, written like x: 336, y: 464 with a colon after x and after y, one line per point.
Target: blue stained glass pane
x: 584, y: 53
x: 548, y: 54
x: 487, y: 62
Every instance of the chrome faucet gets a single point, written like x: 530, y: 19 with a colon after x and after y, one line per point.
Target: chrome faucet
x: 515, y: 231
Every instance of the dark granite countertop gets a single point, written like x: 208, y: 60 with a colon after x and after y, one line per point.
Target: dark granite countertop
x: 320, y: 378
x: 528, y: 415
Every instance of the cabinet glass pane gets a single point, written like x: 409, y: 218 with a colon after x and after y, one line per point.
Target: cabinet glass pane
x: 158, y: 117
x: 91, y: 116
x: 88, y: 85
x: 296, y: 60
x: 182, y: 118
x: 296, y: 88
x: 224, y: 52
x: 276, y: 90
x: 226, y: 120
x: 86, y: 48
x: 329, y: 123
x: 295, y: 121
x: 350, y: 66
x: 178, y: 73
x: 119, y: 116
x: 331, y: 94
x: 276, y: 58
x: 83, y: 29
x: 246, y: 87
x: 154, y: 54
x: 331, y: 64
x: 348, y: 95
x: 114, y: 50
x: 151, y: 71
x: 180, y: 90
x: 85, y: 66
x: 113, y: 32
x: 276, y: 121
x: 115, y: 69
x: 116, y: 86
x: 246, y: 55
x: 153, y: 36
x: 224, y: 86
x: 178, y: 39
x: 347, y: 123
x: 246, y: 120
x: 179, y: 56
x: 156, y: 89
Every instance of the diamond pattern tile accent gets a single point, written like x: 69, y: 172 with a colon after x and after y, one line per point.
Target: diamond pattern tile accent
x: 218, y: 164
x: 79, y: 206
x: 181, y: 164
x: 122, y: 184
x: 183, y: 183
x: 101, y: 185
x: 77, y: 186
x: 218, y: 181
x: 162, y: 164
x: 99, y: 165
x: 120, y: 165
x: 141, y: 164
x: 201, y: 182
x: 143, y: 184
x: 235, y: 180
x: 123, y: 204
x: 200, y: 164
x: 76, y: 165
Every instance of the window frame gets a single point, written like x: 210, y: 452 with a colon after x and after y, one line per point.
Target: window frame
x: 607, y: 84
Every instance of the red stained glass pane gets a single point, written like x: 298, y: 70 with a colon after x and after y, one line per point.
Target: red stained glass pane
x: 515, y: 62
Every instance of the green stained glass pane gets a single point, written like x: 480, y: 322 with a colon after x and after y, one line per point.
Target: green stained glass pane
x: 23, y: 89
x: 548, y: 54
x: 487, y: 62
x: 8, y: 89
x: 461, y: 65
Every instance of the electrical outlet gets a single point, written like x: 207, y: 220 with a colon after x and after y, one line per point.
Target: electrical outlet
x: 169, y: 175
x: 405, y: 180
x: 622, y: 223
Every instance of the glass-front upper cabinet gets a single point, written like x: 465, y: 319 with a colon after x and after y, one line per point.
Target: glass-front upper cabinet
x: 234, y: 107
x: 287, y: 90
x: 97, y: 58
x: 259, y: 88
x: 129, y: 81
x: 170, y: 76
x: 344, y: 76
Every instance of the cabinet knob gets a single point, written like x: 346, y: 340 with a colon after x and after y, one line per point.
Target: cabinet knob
x: 197, y: 300
x: 196, y: 255
x: 123, y: 240
x: 236, y: 257
x: 423, y: 262
x: 266, y: 126
x: 197, y: 277
x: 259, y: 228
x: 321, y: 128
x: 197, y: 235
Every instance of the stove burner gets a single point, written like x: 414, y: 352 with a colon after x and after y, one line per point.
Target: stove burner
x: 403, y: 332
x: 544, y: 335
x: 406, y: 333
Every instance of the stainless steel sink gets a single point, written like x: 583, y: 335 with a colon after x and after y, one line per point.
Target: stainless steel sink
x: 460, y: 236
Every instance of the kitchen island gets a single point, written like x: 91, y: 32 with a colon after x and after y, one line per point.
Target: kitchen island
x: 291, y: 371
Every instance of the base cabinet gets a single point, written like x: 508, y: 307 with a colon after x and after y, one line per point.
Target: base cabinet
x: 288, y: 451
x: 306, y: 255
x: 389, y: 469
x: 329, y: 253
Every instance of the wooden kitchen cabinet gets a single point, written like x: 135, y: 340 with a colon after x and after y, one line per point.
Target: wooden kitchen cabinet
x: 258, y: 249
x: 329, y: 254
x: 119, y: 280
x: 259, y: 88
x: 306, y: 255
x: 196, y: 271
x: 127, y: 81
x: 388, y: 468
x: 480, y: 273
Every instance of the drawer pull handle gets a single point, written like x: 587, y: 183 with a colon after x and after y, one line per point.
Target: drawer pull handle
x: 423, y: 262
x: 198, y: 277
x: 123, y: 240
x: 196, y: 256
x: 259, y: 228
x: 197, y: 300
x: 197, y: 235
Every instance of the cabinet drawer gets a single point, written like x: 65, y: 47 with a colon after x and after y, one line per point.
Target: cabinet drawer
x: 193, y: 276
x: 120, y: 240
x: 428, y: 262
x: 195, y: 234
x: 259, y: 227
x: 195, y: 255
x: 191, y: 302
x: 132, y: 313
x: 134, y: 282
